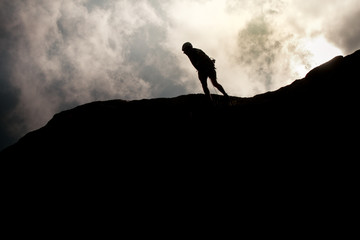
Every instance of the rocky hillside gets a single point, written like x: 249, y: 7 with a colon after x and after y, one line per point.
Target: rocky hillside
x: 313, y: 114
x: 289, y: 154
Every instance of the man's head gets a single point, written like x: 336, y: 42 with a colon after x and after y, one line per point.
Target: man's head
x: 186, y: 47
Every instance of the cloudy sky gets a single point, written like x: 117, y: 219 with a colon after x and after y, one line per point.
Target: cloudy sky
x: 55, y: 55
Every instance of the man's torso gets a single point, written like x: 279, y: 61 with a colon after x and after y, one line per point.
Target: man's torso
x: 200, y: 60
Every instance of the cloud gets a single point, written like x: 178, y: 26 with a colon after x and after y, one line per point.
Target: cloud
x: 268, y: 52
x: 345, y: 32
x: 60, y: 54
x: 336, y: 21
x: 56, y: 55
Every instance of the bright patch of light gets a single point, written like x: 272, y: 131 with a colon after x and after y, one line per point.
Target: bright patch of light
x: 321, y: 50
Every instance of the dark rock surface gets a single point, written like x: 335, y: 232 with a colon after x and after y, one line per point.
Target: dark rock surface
x: 309, y: 124
x: 290, y: 154
x: 315, y: 111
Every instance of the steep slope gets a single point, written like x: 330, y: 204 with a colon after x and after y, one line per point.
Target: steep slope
x: 320, y: 107
x: 289, y: 154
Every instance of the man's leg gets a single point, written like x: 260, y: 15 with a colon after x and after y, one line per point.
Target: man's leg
x: 203, y: 79
x: 212, y: 76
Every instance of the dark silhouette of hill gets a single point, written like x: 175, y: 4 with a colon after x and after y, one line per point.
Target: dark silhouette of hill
x: 316, y: 110
x: 311, y: 118
x: 285, y: 153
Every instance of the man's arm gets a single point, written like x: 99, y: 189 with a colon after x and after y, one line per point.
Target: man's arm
x: 204, y: 60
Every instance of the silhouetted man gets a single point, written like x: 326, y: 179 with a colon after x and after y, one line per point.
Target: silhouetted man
x: 205, y: 67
